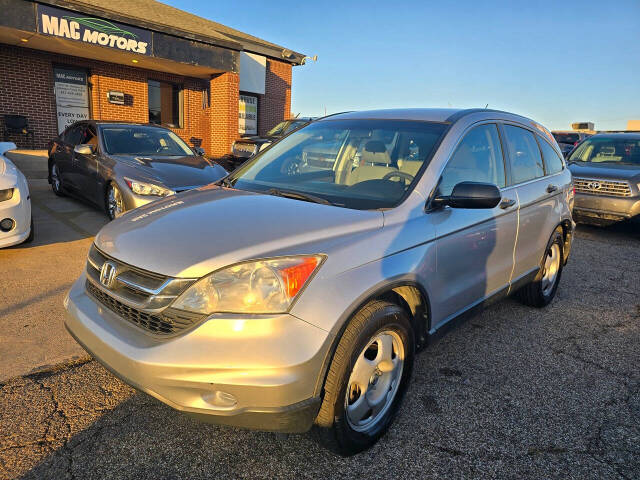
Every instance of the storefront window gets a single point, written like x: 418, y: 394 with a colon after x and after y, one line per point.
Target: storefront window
x: 165, y: 103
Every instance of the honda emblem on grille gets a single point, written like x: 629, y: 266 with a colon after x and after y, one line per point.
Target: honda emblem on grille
x: 107, y: 274
x: 594, y: 185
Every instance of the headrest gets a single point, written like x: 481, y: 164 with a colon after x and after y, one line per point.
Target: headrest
x: 375, y: 146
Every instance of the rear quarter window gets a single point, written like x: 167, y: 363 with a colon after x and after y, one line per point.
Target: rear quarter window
x: 552, y: 160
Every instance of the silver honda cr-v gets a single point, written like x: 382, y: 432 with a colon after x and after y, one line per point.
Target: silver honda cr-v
x: 298, y: 290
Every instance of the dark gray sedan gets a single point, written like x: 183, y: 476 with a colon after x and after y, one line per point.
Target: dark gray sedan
x: 121, y: 166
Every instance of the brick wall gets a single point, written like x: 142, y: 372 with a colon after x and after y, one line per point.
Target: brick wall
x: 26, y: 88
x: 275, y: 105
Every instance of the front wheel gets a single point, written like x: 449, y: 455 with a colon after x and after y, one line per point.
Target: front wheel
x: 542, y: 289
x: 367, y: 378
x: 115, y: 202
x: 56, y: 180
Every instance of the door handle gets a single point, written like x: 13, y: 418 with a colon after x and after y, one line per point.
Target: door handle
x: 506, y: 203
x: 551, y: 188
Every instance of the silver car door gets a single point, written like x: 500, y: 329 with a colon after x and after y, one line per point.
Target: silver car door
x: 537, y: 196
x: 474, y: 246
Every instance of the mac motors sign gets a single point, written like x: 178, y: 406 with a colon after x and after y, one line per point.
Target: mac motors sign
x: 96, y: 31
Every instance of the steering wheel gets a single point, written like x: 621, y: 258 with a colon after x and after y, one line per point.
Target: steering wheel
x: 400, y: 174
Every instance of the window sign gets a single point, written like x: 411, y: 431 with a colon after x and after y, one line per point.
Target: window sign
x: 72, y: 96
x: 248, y: 115
x: 97, y: 31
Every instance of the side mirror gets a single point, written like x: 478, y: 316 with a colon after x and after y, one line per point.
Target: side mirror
x: 199, y: 151
x: 85, y: 149
x: 470, y: 195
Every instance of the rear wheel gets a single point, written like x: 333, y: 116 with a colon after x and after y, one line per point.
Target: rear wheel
x: 542, y: 289
x: 367, y: 378
x: 115, y: 202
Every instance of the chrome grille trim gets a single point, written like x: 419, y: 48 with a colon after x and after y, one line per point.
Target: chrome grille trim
x: 617, y: 188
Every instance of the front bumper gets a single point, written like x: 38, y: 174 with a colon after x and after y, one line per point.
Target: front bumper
x: 604, y: 207
x: 18, y: 208
x: 260, y: 372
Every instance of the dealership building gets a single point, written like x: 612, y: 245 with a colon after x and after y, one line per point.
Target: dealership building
x: 140, y: 61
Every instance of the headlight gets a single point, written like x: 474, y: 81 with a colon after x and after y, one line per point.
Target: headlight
x: 264, y: 286
x: 142, y: 188
x: 6, y: 194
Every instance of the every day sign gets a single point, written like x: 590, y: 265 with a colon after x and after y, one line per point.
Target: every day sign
x: 72, y: 96
x: 248, y: 115
x: 97, y: 31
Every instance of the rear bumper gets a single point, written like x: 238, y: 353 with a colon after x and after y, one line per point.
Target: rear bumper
x: 609, y: 208
x: 245, y: 372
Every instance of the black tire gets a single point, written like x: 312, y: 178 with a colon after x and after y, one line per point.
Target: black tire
x: 332, y: 427
x: 57, y: 187
x: 534, y: 294
x: 108, y: 210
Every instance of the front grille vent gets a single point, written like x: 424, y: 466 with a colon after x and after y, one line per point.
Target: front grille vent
x: 168, y: 322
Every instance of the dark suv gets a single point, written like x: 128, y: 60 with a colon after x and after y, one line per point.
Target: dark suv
x: 249, y: 146
x: 606, y: 176
x: 567, y: 141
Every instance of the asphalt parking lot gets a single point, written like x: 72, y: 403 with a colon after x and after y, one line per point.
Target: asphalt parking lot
x: 514, y: 392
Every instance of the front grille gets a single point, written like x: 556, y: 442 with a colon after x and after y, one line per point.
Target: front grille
x: 244, y: 149
x: 168, y: 322
x: 146, y: 290
x: 602, y: 187
x: 139, y: 296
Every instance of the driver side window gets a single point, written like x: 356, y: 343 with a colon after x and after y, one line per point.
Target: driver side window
x: 478, y: 158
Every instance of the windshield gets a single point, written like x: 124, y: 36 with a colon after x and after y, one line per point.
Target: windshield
x: 141, y: 140
x: 361, y: 164
x: 284, y: 127
x: 571, y: 138
x: 625, y: 151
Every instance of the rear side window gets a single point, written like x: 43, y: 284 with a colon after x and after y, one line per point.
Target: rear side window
x: 524, y: 154
x: 478, y: 158
x: 552, y: 160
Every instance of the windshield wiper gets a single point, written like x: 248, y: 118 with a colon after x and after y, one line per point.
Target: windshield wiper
x: 298, y: 196
x: 225, y: 182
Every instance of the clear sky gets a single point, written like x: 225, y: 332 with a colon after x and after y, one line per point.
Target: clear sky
x: 555, y: 61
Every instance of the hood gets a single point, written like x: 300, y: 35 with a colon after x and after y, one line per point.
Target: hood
x: 174, y: 172
x: 605, y: 171
x: 196, y: 232
x: 254, y: 140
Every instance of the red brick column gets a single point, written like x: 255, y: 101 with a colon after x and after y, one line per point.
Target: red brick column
x: 223, y: 115
x: 275, y: 104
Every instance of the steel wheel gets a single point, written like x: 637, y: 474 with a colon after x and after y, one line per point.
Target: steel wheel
x: 551, y: 269
x: 115, y: 203
x: 374, y: 381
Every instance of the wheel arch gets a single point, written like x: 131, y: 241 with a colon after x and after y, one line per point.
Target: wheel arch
x: 567, y: 235
x: 407, y: 294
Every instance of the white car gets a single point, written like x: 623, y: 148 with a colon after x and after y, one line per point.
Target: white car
x: 16, y: 225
